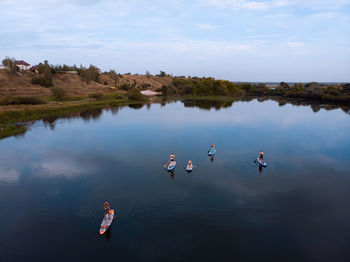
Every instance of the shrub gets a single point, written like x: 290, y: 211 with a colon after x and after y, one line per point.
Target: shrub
x: 126, y: 87
x: 135, y: 94
x: 58, y: 93
x: 20, y: 100
x: 162, y: 74
x: 41, y: 80
x: 97, y: 96
x: 89, y: 74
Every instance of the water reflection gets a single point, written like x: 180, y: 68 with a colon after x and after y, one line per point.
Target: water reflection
x: 136, y: 106
x: 87, y: 115
x: 206, y: 104
x: 108, y: 234
x: 218, y: 104
x: 56, y: 179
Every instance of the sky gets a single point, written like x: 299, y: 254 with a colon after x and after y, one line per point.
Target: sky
x: 238, y: 40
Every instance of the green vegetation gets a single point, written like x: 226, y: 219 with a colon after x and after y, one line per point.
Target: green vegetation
x: 14, y: 122
x: 20, y: 100
x: 113, y: 74
x: 45, y: 75
x: 135, y: 94
x: 203, y: 87
x: 195, y: 86
x: 59, y: 93
x: 12, y: 130
x: 97, y: 96
x: 162, y: 74
x: 89, y: 74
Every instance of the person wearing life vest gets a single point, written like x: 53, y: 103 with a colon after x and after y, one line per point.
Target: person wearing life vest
x: 172, y: 157
x: 106, y: 207
x: 212, y: 147
x: 261, y: 157
x: 190, y: 164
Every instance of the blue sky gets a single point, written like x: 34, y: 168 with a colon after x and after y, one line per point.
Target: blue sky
x: 239, y: 40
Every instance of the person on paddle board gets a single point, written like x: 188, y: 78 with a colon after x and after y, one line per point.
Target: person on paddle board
x: 106, y: 207
x: 261, y: 156
x: 172, y: 157
x: 189, y: 164
x: 212, y: 148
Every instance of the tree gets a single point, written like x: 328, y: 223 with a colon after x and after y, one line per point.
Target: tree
x: 89, y: 74
x: 113, y: 74
x: 162, y: 74
x: 284, y: 85
x: 10, y: 63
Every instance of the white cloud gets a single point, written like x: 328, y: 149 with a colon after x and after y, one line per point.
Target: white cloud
x: 263, y: 5
x: 61, y: 167
x: 238, y: 4
x: 206, y: 26
x: 10, y: 175
x: 295, y: 44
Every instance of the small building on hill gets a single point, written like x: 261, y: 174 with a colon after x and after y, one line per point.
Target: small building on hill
x: 22, y: 65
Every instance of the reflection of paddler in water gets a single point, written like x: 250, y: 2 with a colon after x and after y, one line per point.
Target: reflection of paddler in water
x: 260, y: 169
x: 108, y: 234
x: 212, y: 159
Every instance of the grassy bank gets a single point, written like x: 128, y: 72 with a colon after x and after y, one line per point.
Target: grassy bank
x: 15, y: 120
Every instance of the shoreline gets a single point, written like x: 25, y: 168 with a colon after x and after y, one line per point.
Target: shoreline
x: 17, y: 119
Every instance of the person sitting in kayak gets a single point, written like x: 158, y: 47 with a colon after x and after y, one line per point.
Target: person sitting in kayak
x: 261, y: 157
x: 106, y: 207
x: 212, y: 148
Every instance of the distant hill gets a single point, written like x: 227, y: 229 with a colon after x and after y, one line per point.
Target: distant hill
x: 20, y: 84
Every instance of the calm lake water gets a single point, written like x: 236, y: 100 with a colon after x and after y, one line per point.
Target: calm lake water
x: 55, y: 179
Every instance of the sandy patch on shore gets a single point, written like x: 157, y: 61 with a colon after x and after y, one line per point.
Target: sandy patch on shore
x: 150, y: 93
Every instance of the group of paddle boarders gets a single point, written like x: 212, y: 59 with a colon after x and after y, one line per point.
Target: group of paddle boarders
x: 172, y: 163
x: 109, y: 213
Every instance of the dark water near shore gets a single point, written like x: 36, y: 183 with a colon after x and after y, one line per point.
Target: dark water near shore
x: 55, y: 178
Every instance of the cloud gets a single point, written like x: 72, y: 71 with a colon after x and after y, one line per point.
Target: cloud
x: 238, y: 4
x: 60, y: 167
x: 295, y: 44
x: 263, y: 5
x: 206, y: 26
x: 9, y: 175
x: 179, y: 36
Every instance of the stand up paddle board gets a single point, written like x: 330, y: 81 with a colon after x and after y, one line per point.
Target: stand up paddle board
x: 106, y: 222
x: 171, y: 166
x: 188, y: 168
x: 211, y: 153
x: 262, y: 163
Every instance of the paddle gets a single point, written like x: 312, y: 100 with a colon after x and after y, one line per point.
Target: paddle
x: 166, y: 163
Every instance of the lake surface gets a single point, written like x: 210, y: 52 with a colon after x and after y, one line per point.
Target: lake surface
x: 55, y: 179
